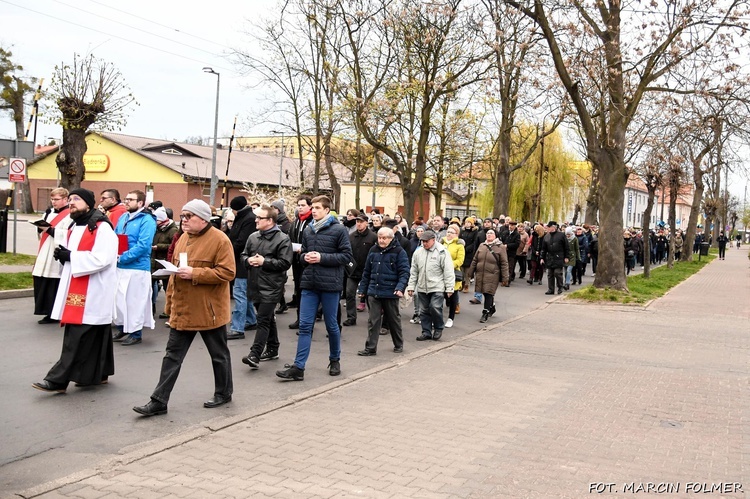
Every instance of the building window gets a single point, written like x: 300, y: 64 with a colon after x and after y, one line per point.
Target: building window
x: 172, y: 151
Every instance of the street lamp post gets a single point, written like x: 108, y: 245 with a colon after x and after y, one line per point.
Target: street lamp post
x: 281, y: 160
x: 214, y: 178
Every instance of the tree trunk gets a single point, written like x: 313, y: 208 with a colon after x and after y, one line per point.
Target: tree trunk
x: 335, y: 186
x: 70, y: 158
x: 502, y: 192
x: 674, y: 186
x: 610, y: 271
x: 695, y: 208
x: 592, y: 199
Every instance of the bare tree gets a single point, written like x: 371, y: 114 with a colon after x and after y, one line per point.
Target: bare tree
x: 88, y: 92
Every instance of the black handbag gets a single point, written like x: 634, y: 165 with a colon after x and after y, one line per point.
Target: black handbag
x: 459, y: 275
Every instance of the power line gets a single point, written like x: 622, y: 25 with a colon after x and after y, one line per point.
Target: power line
x: 205, y: 62
x: 135, y: 28
x: 162, y: 25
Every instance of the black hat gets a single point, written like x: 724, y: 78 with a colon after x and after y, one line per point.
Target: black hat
x: 238, y: 203
x: 362, y: 217
x: 552, y: 222
x: 86, y: 195
x: 512, y: 222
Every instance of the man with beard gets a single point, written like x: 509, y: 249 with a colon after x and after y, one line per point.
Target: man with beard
x: 47, y: 270
x: 302, y: 220
x: 89, y: 268
x: 133, y: 304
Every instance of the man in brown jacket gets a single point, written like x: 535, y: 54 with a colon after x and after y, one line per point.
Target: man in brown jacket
x: 199, y: 303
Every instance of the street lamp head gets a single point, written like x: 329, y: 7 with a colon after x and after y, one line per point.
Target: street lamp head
x: 209, y: 70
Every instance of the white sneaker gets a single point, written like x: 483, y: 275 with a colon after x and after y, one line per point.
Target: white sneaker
x: 449, y: 323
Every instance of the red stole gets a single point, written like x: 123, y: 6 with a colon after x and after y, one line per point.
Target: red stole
x: 75, y: 302
x: 58, y: 218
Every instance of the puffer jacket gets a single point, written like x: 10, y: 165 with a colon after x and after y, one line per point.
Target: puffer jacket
x: 386, y: 271
x: 202, y: 303
x: 432, y: 271
x: 266, y: 283
x: 458, y: 254
x: 583, y: 248
x: 469, y: 237
x: 332, y: 242
x: 489, y: 267
x: 140, y: 231
x: 362, y: 243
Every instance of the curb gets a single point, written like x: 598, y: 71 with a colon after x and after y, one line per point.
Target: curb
x: 16, y: 293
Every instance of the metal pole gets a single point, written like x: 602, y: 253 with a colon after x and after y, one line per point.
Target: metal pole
x: 214, y: 178
x: 374, y: 176
x: 281, y: 162
x: 15, y: 199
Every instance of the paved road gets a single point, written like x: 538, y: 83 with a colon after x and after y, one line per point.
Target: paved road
x: 65, y: 433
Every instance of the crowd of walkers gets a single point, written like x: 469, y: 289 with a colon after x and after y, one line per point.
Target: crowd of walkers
x: 102, y: 264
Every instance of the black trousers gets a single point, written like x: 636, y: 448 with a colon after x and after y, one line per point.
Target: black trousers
x: 512, y: 267
x: 177, y: 348
x: 554, y: 276
x: 87, y: 355
x: 267, y: 332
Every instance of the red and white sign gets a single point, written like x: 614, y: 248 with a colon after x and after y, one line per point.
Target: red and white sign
x: 17, y: 172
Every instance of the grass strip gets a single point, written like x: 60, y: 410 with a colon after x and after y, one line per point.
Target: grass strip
x: 641, y: 289
x: 16, y: 259
x: 19, y: 280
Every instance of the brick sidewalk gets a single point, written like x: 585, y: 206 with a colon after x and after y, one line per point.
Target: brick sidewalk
x: 542, y: 406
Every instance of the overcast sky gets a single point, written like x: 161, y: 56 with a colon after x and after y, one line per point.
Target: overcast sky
x: 160, y: 47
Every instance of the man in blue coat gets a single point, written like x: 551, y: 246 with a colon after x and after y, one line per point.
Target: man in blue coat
x: 384, y: 281
x: 326, y: 250
x: 136, y: 230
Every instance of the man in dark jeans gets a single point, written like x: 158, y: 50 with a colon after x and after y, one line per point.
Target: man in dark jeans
x: 267, y: 256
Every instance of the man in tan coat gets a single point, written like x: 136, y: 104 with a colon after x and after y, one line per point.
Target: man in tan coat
x: 198, y: 295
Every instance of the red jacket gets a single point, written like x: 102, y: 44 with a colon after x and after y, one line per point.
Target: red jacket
x: 115, y: 212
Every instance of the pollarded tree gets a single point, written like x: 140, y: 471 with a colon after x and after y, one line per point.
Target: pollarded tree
x: 639, y: 50
x: 89, y: 92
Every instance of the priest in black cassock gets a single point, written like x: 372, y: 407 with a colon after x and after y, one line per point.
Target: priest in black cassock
x: 85, y: 300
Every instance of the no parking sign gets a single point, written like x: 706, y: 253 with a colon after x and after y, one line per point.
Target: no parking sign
x: 17, y: 171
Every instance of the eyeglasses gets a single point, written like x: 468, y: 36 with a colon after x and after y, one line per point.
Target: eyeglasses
x: 262, y: 218
x: 186, y: 216
x: 130, y: 200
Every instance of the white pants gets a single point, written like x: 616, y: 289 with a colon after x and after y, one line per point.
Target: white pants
x: 133, y: 300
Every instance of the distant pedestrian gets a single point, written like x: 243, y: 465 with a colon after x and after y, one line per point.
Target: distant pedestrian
x: 85, y: 299
x: 198, y: 300
x: 554, y: 256
x: 722, y: 241
x: 489, y: 268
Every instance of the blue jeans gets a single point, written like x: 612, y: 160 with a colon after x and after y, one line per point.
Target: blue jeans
x: 431, y: 312
x: 244, y: 311
x: 569, y: 274
x: 478, y: 297
x: 308, y: 308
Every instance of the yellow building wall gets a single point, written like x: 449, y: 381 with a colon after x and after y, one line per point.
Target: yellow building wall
x: 124, y: 165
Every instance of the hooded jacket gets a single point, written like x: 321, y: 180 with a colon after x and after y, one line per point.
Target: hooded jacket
x: 265, y: 284
x: 331, y: 240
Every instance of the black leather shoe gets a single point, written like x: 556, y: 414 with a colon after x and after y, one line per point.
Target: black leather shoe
x: 349, y: 322
x: 130, y: 340
x: 163, y: 316
x: 292, y: 372
x: 235, y: 335
x: 436, y: 335
x: 294, y: 325
x: 216, y: 401
x: 549, y: 293
x: 252, y: 361
x: 47, y: 386
x: 282, y: 309
x: 559, y: 291
x: 47, y: 320
x: 334, y: 368
x: 366, y: 353
x: 153, y: 408
x: 118, y: 336
x: 250, y: 327
x: 424, y: 337
x: 398, y: 349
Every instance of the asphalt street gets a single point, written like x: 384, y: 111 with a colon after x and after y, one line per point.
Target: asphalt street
x: 56, y: 435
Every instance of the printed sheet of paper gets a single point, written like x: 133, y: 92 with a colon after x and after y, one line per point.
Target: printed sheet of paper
x: 168, y: 269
